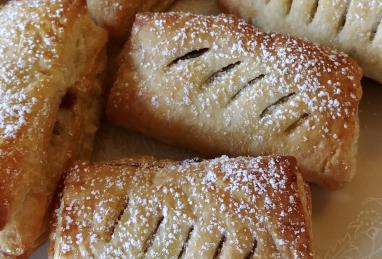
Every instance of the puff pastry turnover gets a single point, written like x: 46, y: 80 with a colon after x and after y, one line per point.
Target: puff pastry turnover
x: 52, y: 57
x: 226, y: 208
x: 117, y: 16
x: 353, y: 26
x: 219, y: 86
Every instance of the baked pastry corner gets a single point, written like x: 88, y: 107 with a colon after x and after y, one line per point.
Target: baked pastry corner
x: 117, y: 16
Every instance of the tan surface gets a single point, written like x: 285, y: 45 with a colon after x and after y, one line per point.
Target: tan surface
x: 345, y: 223
x: 139, y: 208
x: 352, y: 26
x: 117, y: 16
x: 246, y: 93
x: 52, y: 56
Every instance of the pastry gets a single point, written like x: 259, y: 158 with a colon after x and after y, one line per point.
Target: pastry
x: 117, y: 16
x: 351, y: 26
x: 228, y: 208
x: 52, y: 58
x: 217, y: 85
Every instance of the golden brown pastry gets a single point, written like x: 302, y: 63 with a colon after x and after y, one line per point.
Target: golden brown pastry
x: 117, y: 16
x: 351, y: 26
x: 217, y: 85
x: 222, y: 208
x: 52, y: 58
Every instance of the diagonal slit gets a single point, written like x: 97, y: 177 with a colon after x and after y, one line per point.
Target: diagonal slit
x: 278, y: 102
x: 250, y: 83
x: 190, y: 55
x: 185, y: 244
x: 343, y: 18
x: 375, y: 28
x: 252, y: 252
x: 313, y: 11
x: 149, y: 241
x: 289, y: 7
x: 297, y: 123
x: 124, y: 207
x: 219, y: 248
x: 225, y: 69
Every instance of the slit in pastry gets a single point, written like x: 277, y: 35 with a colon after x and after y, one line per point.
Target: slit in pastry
x: 297, y: 123
x: 185, y: 244
x: 123, y: 209
x: 190, y: 55
x: 249, y: 84
x: 224, y: 70
x: 268, y: 110
x: 344, y: 17
x: 219, y: 247
x: 252, y: 251
x: 150, y: 240
x: 375, y: 28
x: 313, y: 11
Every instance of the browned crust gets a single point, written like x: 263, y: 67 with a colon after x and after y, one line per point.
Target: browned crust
x: 129, y: 103
x: 86, y: 179
x: 27, y: 185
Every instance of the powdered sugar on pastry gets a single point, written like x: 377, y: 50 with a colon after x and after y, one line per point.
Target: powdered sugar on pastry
x: 233, y: 208
x: 353, y: 26
x: 15, y: 72
x: 216, y: 84
x: 51, y: 58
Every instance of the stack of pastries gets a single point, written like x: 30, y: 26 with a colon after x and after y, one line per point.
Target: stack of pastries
x: 283, y: 109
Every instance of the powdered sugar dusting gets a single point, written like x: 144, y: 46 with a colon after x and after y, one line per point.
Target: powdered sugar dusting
x: 353, y: 26
x: 217, y: 76
x: 45, y: 55
x: 184, y: 208
x: 27, y: 48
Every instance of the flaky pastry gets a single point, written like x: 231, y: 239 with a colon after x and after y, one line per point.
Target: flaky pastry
x: 217, y: 85
x: 222, y: 208
x: 351, y: 26
x: 52, y: 58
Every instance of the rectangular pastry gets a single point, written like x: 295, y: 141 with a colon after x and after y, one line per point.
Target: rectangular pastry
x: 117, y: 16
x: 351, y: 26
x: 222, y: 208
x: 217, y: 85
x: 52, y: 59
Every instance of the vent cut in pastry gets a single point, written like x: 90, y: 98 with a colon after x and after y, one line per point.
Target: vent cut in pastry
x: 52, y: 58
x: 217, y: 85
x: 221, y: 208
x: 118, y: 15
x: 353, y: 26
